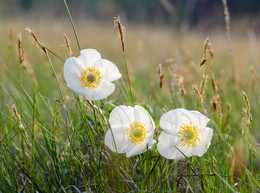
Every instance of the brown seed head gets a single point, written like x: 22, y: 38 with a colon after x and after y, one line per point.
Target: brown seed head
x: 67, y: 41
x: 214, y: 104
x: 214, y: 85
x: 247, y: 105
x: 245, y: 124
x: 17, y: 116
x: 36, y: 39
x: 121, y: 31
x: 206, y: 46
x: 200, y: 99
x: 21, y: 51
x: 246, y: 101
x: 160, y: 74
x: 181, y: 84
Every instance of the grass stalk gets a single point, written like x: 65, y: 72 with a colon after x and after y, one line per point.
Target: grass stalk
x: 72, y: 24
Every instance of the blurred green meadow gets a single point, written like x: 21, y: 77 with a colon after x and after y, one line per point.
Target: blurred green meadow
x: 57, y: 144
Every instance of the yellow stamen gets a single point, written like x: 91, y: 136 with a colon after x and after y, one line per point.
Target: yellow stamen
x: 189, y: 134
x: 137, y: 133
x: 91, y: 77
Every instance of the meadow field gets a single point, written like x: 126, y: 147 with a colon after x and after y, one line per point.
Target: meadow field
x: 52, y: 140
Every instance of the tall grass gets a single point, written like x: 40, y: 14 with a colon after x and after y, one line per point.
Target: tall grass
x: 53, y: 140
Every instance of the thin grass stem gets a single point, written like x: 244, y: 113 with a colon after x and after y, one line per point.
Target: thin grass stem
x: 72, y: 24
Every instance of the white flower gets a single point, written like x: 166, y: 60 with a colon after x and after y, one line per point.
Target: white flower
x: 131, y: 130
x: 90, y: 75
x: 184, y: 133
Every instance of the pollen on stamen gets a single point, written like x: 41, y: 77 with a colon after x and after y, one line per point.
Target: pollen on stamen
x: 137, y: 133
x: 91, y: 78
x: 189, y: 135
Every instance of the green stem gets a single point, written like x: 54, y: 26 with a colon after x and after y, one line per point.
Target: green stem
x: 72, y: 24
x: 54, y: 53
x: 204, y: 80
x: 128, y: 80
x: 52, y: 67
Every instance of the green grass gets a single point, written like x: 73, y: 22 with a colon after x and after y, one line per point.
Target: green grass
x: 60, y: 145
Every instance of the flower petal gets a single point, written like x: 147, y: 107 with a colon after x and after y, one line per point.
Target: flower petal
x: 72, y: 72
x: 88, y: 57
x: 199, y: 119
x: 135, y: 149
x: 121, y: 116
x: 112, y: 72
x: 171, y: 120
x: 116, y: 139
x: 100, y: 92
x: 205, y: 138
x: 171, y: 147
x: 141, y: 115
x: 151, y: 141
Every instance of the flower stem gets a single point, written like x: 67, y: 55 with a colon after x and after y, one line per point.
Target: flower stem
x: 128, y: 79
x: 72, y: 24
x: 55, y: 75
x: 204, y: 80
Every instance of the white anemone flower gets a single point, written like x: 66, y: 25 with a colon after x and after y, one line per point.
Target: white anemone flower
x: 90, y: 75
x: 185, y: 133
x: 131, y: 130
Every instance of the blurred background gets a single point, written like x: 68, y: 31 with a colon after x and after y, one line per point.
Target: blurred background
x: 157, y: 31
x: 206, y: 14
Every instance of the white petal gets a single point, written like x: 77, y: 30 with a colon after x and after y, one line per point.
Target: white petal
x: 170, y: 147
x: 88, y: 57
x: 136, y: 149
x: 72, y: 72
x: 171, y: 120
x: 116, y: 136
x: 79, y: 89
x: 199, y: 119
x: 99, y: 65
x: 141, y: 115
x: 111, y: 71
x: 121, y: 116
x: 205, y: 138
x: 183, y: 150
x: 100, y: 92
x: 151, y: 142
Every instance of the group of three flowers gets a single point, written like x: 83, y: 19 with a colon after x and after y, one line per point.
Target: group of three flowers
x: 185, y: 133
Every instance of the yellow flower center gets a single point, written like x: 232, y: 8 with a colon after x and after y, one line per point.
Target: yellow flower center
x: 189, y: 134
x: 136, y: 133
x: 91, y: 77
